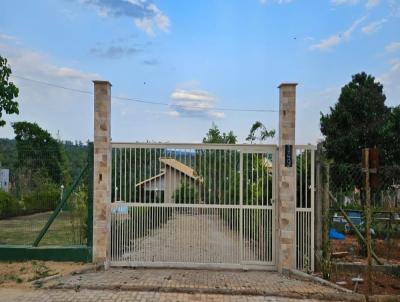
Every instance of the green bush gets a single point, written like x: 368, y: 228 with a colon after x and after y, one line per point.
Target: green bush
x: 45, y: 198
x: 9, y: 206
x: 77, y: 205
x: 186, y: 193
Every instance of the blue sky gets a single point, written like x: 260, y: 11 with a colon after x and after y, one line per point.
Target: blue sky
x: 207, y: 54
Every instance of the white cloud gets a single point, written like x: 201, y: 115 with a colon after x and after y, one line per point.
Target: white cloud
x: 7, y: 37
x: 173, y: 113
x: 146, y: 15
x: 275, y: 1
x: 336, y: 39
x: 193, y: 102
x: 372, y: 3
x: 392, y: 47
x: 52, y: 108
x: 390, y: 81
x: 373, y: 27
x: 328, y: 43
x: 369, y: 3
x: 344, y: 2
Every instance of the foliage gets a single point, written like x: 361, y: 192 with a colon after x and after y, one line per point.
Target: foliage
x: 391, y: 131
x: 264, y: 134
x: 8, y: 91
x: 38, y: 150
x: 186, y: 193
x: 356, y: 121
x: 8, y: 153
x: 325, y: 264
x: 44, y: 198
x: 214, y: 136
x: 75, y: 155
x: 77, y: 205
x: 9, y: 206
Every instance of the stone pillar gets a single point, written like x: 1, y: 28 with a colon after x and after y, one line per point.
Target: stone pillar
x: 102, y: 170
x: 287, y: 177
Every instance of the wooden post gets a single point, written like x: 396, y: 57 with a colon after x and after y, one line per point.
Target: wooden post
x: 325, y: 210
x: 365, y: 156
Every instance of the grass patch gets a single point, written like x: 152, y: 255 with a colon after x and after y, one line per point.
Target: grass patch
x: 23, y: 230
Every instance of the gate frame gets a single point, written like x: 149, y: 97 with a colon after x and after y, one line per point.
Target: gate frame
x: 285, y: 185
x: 243, y: 149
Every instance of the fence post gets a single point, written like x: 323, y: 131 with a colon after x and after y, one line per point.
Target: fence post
x: 365, y: 156
x: 287, y: 178
x: 318, y: 204
x: 325, y: 211
x: 102, y: 170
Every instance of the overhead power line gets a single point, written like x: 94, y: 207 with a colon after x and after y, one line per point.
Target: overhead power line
x: 143, y: 101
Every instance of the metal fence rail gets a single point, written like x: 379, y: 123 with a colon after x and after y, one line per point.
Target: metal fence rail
x: 193, y: 204
x: 305, y: 156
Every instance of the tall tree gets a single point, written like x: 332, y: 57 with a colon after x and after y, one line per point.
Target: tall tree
x: 356, y: 121
x: 38, y: 151
x: 263, y: 135
x: 8, y: 91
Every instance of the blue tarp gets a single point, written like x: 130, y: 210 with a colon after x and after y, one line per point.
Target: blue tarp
x: 333, y: 234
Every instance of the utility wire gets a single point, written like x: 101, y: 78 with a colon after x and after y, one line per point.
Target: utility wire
x: 143, y: 101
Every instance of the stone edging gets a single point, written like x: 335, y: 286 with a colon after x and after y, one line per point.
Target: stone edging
x: 359, y: 267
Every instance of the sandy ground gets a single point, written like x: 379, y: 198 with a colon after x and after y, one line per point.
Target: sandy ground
x: 22, y: 274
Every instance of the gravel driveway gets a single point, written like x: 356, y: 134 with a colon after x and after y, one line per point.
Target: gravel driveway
x: 192, y: 238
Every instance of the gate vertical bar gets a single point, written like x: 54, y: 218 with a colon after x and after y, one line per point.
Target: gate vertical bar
x: 241, y: 204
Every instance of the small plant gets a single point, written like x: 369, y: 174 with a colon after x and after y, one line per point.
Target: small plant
x: 396, y: 271
x: 325, y: 264
x: 306, y: 268
x: 11, y: 277
x: 40, y: 271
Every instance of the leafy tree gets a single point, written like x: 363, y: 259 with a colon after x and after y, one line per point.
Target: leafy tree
x: 356, y: 121
x: 391, y: 134
x: 38, y: 151
x: 214, y: 136
x: 264, y: 134
x: 8, y: 91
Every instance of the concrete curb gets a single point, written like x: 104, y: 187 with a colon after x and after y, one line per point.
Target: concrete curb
x: 306, y: 277
x: 383, y: 298
x: 357, y: 267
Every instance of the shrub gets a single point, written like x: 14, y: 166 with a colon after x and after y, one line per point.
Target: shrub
x: 77, y: 205
x: 9, y: 206
x: 45, y: 198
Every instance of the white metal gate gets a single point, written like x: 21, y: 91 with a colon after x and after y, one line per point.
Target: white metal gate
x: 193, y: 205
x: 305, y: 196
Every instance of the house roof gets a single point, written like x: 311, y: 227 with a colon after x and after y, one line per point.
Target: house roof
x: 177, y: 165
x: 150, y: 179
x: 174, y: 164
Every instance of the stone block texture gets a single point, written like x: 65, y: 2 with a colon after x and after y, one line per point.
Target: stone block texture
x: 286, y: 178
x: 102, y: 169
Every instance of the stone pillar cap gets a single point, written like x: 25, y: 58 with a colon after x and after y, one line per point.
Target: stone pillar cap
x: 287, y: 84
x: 101, y: 82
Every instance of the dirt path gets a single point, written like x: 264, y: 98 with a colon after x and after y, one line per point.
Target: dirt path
x: 200, y: 238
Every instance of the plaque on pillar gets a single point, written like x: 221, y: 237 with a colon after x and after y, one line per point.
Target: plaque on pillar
x: 288, y: 155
